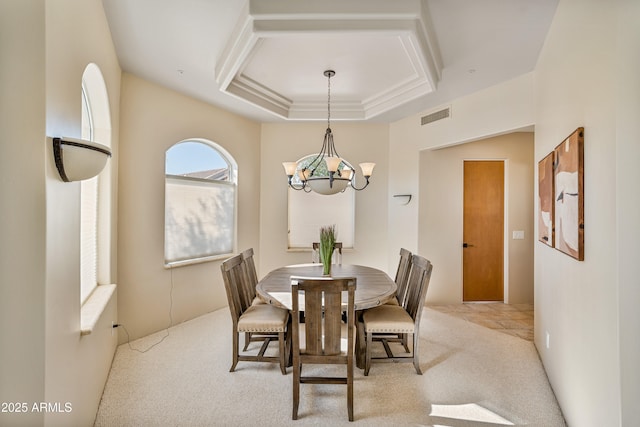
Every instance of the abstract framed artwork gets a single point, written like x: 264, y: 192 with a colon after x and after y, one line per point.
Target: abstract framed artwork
x: 545, y: 200
x: 568, y: 198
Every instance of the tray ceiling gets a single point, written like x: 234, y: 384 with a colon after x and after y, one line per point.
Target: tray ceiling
x: 265, y: 59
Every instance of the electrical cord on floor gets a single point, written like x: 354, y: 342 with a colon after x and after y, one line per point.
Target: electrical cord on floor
x: 120, y: 325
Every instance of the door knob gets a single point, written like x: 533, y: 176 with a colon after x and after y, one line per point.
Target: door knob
x: 467, y: 245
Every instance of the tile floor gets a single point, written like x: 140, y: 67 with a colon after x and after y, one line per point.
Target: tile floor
x: 512, y: 319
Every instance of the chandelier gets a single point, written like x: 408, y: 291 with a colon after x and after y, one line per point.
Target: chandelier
x: 327, y: 173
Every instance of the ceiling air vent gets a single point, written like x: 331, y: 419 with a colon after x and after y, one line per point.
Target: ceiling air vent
x: 438, y: 115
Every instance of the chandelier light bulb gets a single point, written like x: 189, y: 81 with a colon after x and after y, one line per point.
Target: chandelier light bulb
x: 333, y: 163
x: 347, y: 173
x: 367, y: 169
x: 290, y: 168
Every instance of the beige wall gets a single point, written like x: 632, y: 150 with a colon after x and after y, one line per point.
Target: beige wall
x: 76, y: 367
x: 22, y: 213
x: 357, y: 142
x: 440, y: 218
x: 586, y: 76
x: 590, y: 308
x: 504, y: 108
x: 628, y: 204
x: 44, y: 358
x: 154, y: 119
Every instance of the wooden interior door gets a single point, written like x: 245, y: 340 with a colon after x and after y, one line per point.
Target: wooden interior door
x: 483, y: 231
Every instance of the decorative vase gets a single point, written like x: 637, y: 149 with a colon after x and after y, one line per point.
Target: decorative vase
x: 327, y: 244
x: 326, y: 254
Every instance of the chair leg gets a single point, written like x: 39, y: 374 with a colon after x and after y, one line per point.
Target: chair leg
x: 350, y: 389
x: 360, y: 342
x: 247, y: 340
x: 235, y: 350
x: 289, y: 345
x: 416, y: 359
x: 282, y: 353
x: 405, y: 342
x: 367, y: 363
x: 296, y: 391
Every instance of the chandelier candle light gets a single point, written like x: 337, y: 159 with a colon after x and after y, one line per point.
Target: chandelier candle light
x: 340, y: 173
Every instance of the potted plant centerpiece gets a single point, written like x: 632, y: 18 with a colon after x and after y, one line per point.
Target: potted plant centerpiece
x: 327, y: 243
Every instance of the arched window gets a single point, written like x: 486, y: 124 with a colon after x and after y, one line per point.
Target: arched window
x: 310, y: 211
x: 95, y: 198
x: 200, y: 202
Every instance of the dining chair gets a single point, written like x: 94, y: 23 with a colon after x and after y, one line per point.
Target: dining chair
x: 402, y: 277
x: 269, y: 321
x: 337, y: 253
x: 325, y: 338
x: 385, y: 322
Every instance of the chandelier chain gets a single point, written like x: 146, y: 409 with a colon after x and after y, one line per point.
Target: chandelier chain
x: 329, y: 100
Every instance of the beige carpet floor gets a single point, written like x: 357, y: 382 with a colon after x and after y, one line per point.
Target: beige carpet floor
x: 473, y: 376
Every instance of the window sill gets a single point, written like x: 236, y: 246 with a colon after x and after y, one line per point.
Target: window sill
x: 94, y: 306
x: 175, y: 264
x: 297, y: 249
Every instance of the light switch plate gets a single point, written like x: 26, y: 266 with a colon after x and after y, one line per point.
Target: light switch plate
x: 518, y: 235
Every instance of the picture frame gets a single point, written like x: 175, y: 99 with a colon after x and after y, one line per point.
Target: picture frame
x: 568, y: 195
x: 545, y: 200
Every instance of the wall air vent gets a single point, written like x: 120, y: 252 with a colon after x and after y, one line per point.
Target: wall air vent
x: 438, y: 115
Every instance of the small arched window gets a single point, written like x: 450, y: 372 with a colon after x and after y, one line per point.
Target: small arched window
x: 95, y: 193
x: 200, y: 202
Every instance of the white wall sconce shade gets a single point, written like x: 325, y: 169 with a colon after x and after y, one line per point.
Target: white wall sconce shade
x: 402, y: 199
x: 79, y: 159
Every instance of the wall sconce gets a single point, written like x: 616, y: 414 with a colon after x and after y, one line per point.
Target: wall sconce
x: 402, y: 199
x: 79, y: 159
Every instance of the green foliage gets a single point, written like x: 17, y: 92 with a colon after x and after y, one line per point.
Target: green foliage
x: 327, y: 241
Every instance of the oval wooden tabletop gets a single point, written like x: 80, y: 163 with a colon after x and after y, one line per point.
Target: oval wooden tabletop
x: 373, y: 287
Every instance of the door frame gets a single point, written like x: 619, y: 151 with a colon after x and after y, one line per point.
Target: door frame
x: 505, y: 224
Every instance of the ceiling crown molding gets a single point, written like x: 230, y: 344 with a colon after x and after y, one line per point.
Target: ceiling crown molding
x: 291, y: 36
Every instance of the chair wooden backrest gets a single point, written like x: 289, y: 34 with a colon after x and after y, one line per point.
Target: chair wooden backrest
x: 337, y: 253
x: 417, y: 286
x: 234, y: 276
x: 402, y: 275
x: 250, y: 270
x: 323, y: 307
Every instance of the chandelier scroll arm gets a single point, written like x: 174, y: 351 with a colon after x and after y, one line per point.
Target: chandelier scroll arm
x: 352, y: 184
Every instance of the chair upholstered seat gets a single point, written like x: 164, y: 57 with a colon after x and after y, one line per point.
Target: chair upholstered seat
x: 388, y: 319
x: 263, y: 318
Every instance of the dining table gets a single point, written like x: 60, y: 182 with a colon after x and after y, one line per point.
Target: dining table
x: 374, y: 287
